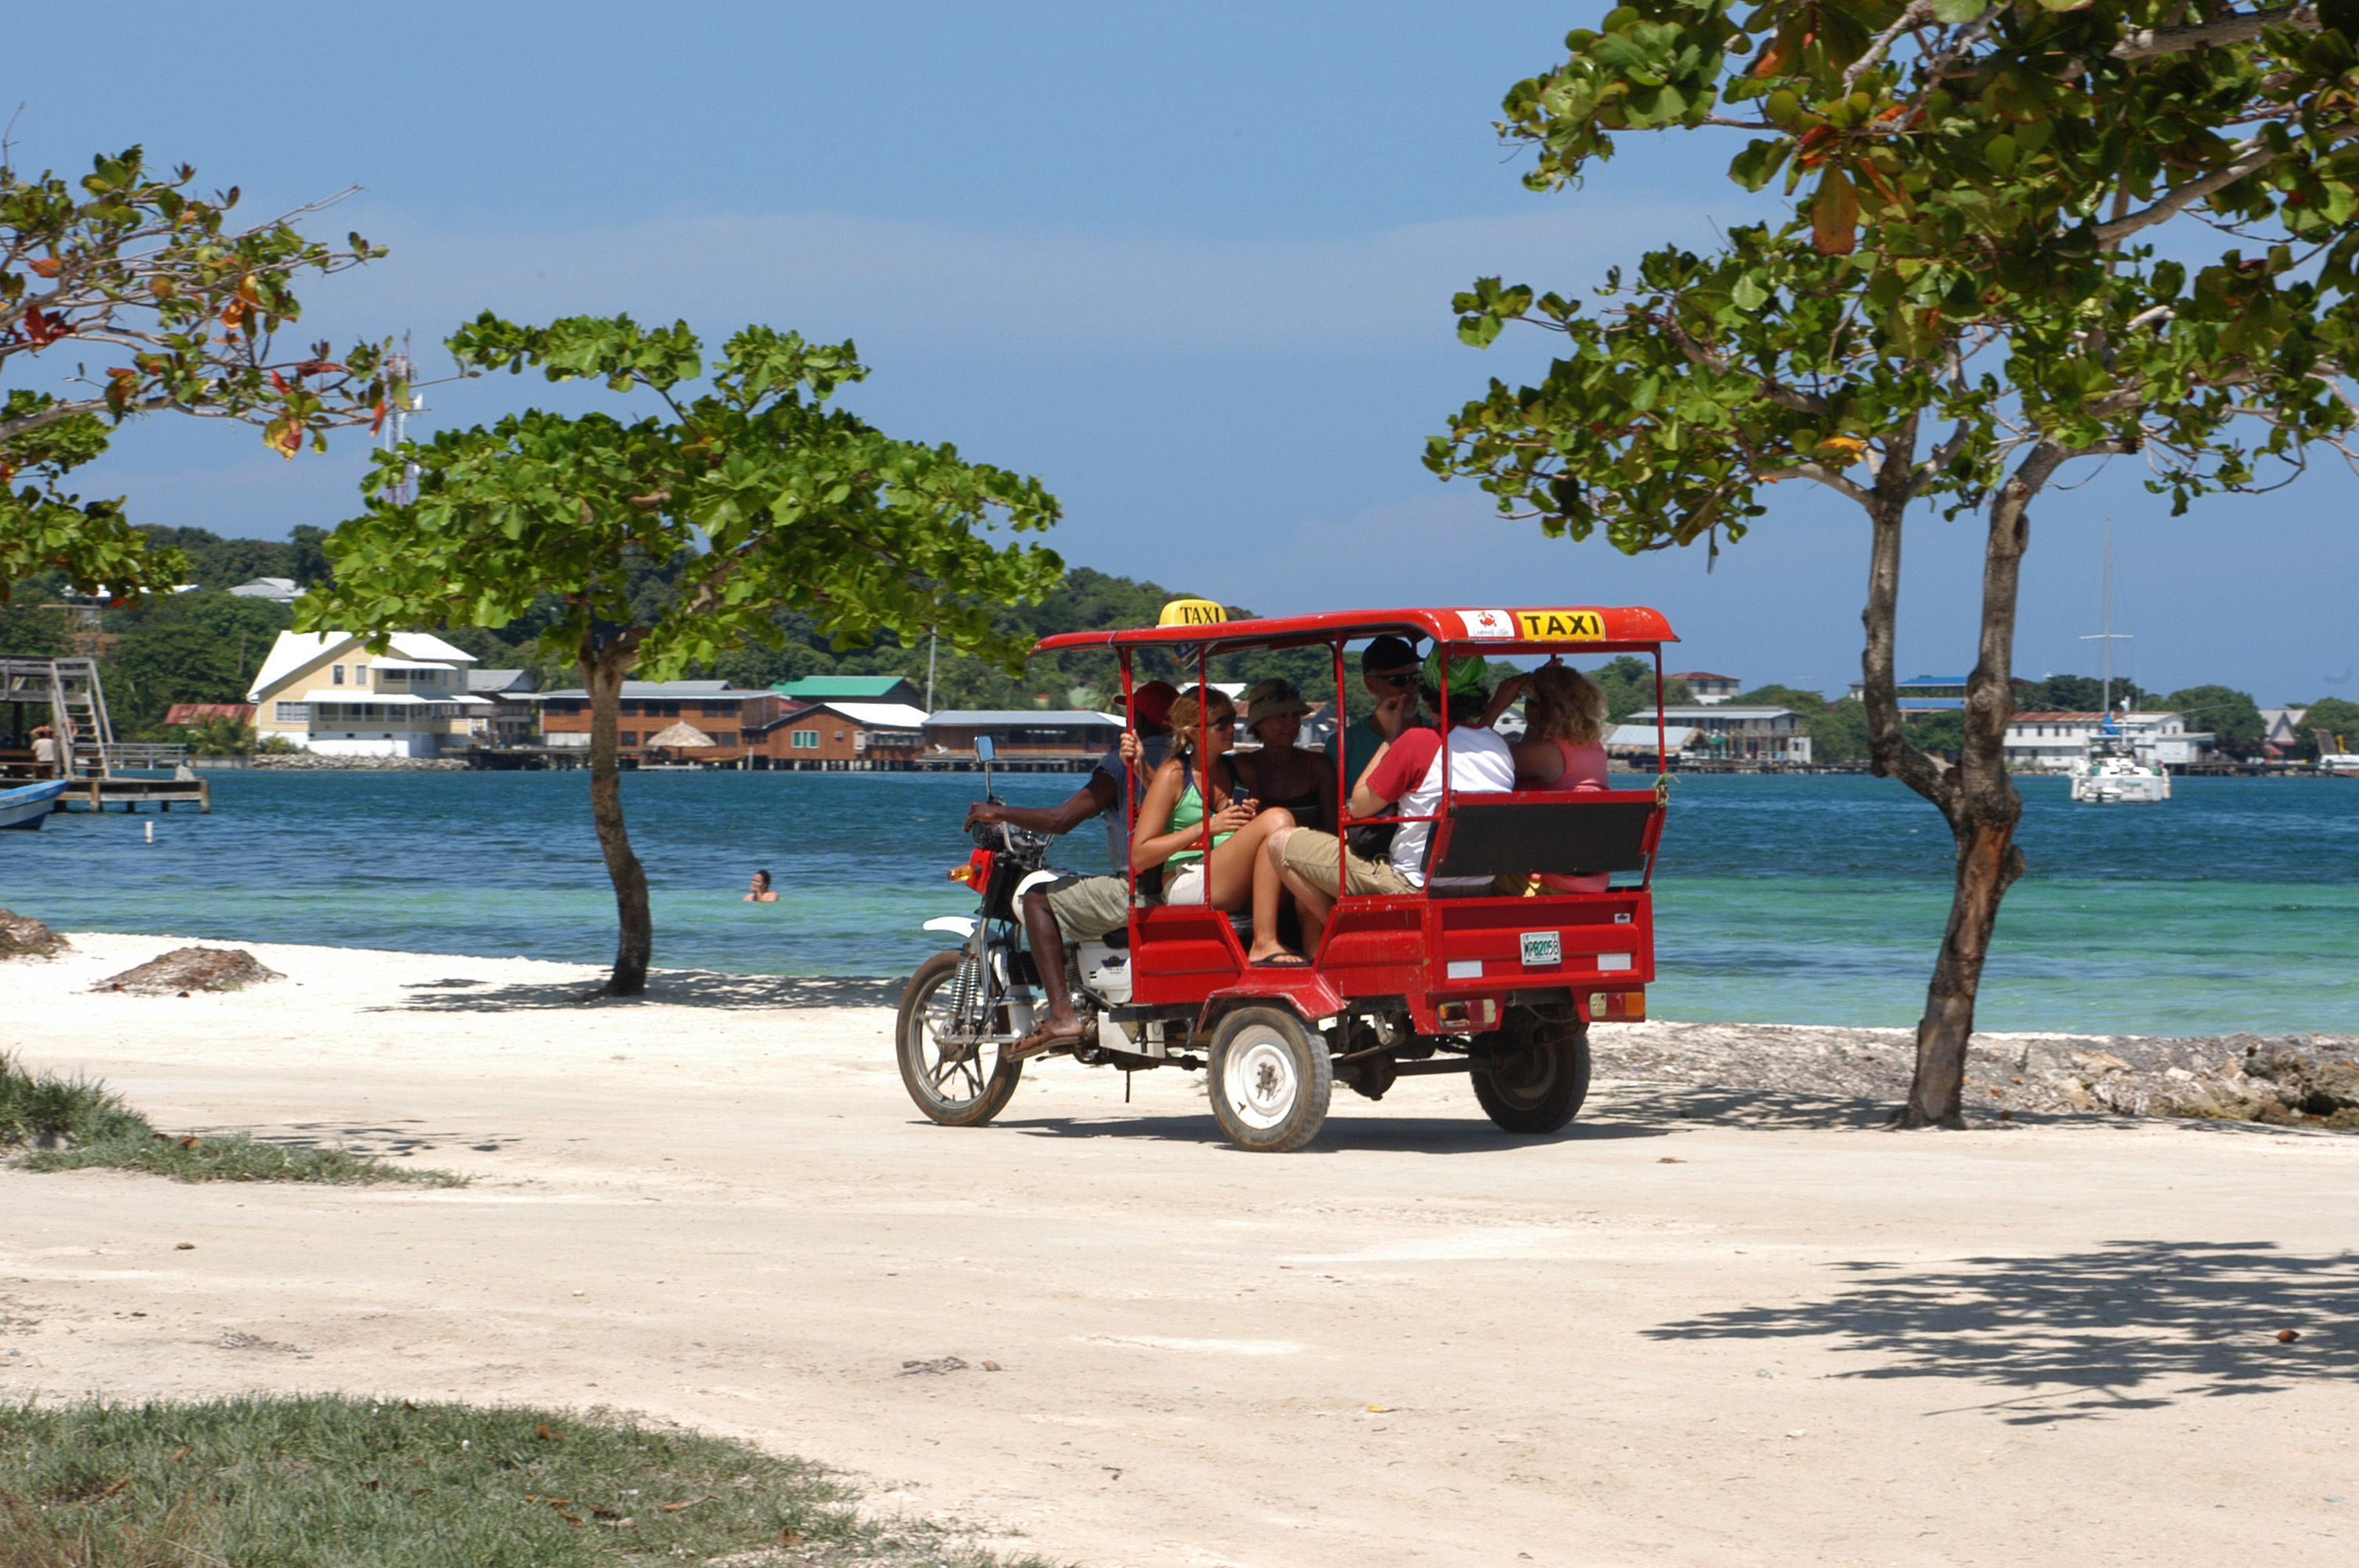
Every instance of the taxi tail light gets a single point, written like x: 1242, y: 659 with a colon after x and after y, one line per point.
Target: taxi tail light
x: 976, y: 872
x: 1621, y: 1007
x: 1475, y: 1013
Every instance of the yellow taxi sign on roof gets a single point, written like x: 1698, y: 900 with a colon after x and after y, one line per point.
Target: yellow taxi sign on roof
x: 1191, y: 612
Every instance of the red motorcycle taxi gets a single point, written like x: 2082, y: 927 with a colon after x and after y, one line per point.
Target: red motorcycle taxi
x: 1499, y: 987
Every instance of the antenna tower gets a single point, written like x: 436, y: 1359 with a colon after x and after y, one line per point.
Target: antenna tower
x: 400, y: 367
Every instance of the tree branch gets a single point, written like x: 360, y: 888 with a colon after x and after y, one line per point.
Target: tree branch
x: 1911, y: 15
x: 1776, y: 392
x: 1824, y: 475
x: 2251, y: 155
x: 2147, y: 42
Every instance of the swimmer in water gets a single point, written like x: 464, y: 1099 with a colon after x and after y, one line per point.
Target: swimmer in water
x: 759, y: 889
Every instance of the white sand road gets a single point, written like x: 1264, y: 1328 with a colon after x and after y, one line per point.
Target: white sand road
x: 1694, y: 1329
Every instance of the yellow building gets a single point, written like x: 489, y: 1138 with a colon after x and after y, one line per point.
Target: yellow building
x: 325, y: 692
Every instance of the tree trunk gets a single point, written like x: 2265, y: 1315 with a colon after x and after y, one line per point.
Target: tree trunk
x: 602, y: 672
x: 1983, y: 808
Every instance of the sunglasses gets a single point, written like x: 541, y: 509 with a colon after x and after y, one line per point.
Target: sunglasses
x: 1229, y: 723
x: 1401, y: 682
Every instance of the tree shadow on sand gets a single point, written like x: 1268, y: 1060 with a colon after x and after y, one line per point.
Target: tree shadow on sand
x: 2132, y: 1326
x: 668, y: 988
x: 1780, y: 1110
x: 1765, y: 1109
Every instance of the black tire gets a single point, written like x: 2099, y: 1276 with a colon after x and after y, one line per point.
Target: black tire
x: 948, y: 1087
x: 1537, y: 1079
x: 1270, y: 1078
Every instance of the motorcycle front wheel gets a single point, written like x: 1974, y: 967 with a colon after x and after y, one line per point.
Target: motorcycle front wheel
x: 953, y: 1082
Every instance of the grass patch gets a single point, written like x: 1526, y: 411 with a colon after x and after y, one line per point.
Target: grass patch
x: 348, y: 1483
x: 81, y: 1124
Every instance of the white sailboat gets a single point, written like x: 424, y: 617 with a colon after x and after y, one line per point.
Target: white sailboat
x: 2109, y: 772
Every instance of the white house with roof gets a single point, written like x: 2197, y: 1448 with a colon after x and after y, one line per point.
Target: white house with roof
x: 1707, y: 688
x: 325, y: 692
x: 2282, y: 728
x: 2050, y: 741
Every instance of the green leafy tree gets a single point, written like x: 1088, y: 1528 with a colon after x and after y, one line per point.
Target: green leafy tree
x: 2231, y: 715
x: 219, y: 737
x: 1792, y: 697
x: 216, y: 562
x: 753, y: 496
x: 1839, y: 732
x: 2330, y: 721
x: 2082, y: 694
x: 165, y: 662
x: 163, y: 304
x: 1628, y: 683
x: 1960, y: 303
x: 185, y: 647
x: 29, y: 632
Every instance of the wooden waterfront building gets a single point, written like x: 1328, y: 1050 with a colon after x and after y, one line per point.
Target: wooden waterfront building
x: 861, y: 737
x: 1047, y: 735
x: 732, y: 718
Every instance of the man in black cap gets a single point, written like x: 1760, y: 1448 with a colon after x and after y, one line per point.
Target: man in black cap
x: 1389, y: 669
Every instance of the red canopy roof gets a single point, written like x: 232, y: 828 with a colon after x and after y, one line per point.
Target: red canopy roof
x: 1580, y: 628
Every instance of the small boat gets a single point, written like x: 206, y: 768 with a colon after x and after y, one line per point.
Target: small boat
x: 2340, y: 764
x: 27, y: 804
x: 2110, y: 773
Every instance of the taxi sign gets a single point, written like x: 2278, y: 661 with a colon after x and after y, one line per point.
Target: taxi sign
x: 1191, y: 612
x: 1562, y: 625
x: 1535, y: 625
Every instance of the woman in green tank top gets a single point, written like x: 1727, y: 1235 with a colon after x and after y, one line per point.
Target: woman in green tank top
x: 1173, y: 822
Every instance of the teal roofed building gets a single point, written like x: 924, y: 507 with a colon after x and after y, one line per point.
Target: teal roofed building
x: 852, y: 689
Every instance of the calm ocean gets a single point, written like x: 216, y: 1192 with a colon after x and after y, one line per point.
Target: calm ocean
x: 1814, y: 900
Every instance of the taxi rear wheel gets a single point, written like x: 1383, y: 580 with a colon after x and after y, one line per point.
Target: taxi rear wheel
x: 1535, y: 1084
x: 1270, y: 1079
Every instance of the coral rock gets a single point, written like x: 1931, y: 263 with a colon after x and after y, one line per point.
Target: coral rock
x: 186, y: 969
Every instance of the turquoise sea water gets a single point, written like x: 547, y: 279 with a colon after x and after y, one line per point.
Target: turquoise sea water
x: 2235, y: 906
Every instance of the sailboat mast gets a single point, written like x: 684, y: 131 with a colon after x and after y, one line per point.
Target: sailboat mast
x: 2105, y: 617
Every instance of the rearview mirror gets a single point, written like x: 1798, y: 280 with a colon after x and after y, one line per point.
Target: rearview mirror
x: 985, y: 751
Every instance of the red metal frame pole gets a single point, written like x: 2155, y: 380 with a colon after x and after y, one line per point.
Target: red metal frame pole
x: 1203, y: 749
x: 1130, y: 783
x: 1441, y: 809
x: 1342, y: 783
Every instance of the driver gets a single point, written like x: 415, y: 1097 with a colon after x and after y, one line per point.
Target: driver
x: 1077, y: 908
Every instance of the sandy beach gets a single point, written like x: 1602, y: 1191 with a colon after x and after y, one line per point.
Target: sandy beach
x: 1704, y: 1327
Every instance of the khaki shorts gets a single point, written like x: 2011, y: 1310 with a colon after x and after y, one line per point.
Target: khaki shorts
x: 1311, y: 855
x: 1088, y: 907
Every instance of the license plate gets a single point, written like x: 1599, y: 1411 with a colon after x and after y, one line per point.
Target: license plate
x: 1542, y: 948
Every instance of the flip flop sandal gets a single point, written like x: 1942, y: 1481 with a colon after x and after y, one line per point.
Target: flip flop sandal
x: 1044, y: 1039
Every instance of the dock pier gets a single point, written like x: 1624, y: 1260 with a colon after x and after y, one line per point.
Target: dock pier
x: 98, y: 793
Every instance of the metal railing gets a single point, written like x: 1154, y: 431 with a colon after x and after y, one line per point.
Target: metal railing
x: 145, y: 754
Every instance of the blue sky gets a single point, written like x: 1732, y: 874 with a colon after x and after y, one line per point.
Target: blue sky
x: 1192, y: 267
